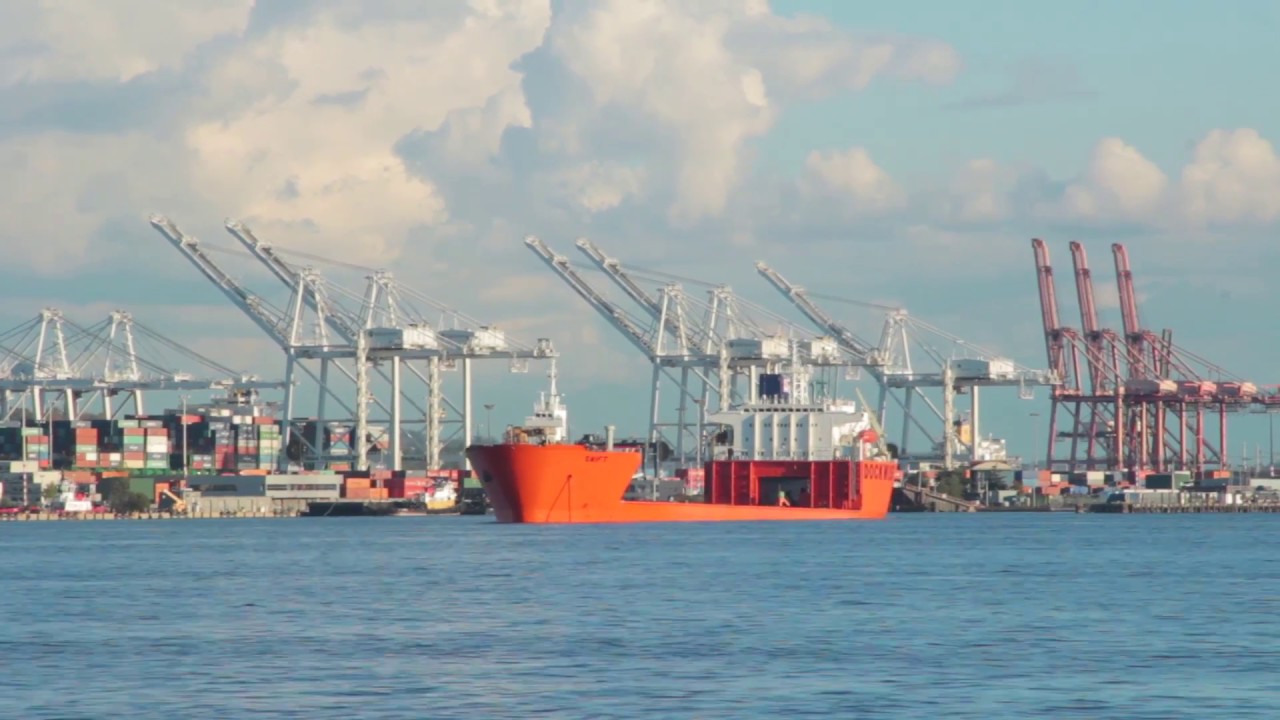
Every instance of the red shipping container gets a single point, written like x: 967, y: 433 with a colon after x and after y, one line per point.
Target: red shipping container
x: 400, y: 488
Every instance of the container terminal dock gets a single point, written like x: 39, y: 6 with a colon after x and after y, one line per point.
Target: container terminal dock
x: 1134, y: 422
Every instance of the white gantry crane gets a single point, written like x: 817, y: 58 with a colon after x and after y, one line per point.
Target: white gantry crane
x: 706, y: 362
x: 390, y: 314
x: 892, y: 364
x: 52, y: 358
x: 382, y: 336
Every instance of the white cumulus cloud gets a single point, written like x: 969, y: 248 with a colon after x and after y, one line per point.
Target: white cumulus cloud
x: 1119, y: 183
x: 353, y: 128
x: 853, y: 179
x: 808, y: 56
x: 320, y: 159
x: 980, y: 192
x: 1234, y: 177
x: 64, y: 40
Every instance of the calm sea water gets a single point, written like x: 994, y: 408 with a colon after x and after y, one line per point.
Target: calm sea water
x: 924, y: 616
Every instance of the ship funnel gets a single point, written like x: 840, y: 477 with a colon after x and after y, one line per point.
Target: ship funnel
x: 608, y: 438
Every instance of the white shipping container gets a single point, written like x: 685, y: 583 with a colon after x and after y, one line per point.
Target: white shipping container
x: 489, y: 338
x: 981, y: 368
x: 970, y: 368
x: 768, y: 347
x: 821, y: 348
x: 413, y: 337
x: 1000, y: 367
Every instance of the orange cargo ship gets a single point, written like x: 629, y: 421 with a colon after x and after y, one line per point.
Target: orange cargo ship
x: 567, y: 483
x: 535, y: 476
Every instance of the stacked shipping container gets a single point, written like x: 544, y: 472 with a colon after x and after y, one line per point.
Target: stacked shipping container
x: 361, y: 488
x: 37, y: 447
x: 219, y: 439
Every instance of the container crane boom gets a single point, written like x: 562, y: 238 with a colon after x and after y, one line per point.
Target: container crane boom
x: 249, y: 303
x: 613, y: 268
x: 1058, y: 339
x: 263, y: 251
x: 303, y: 282
x: 1134, y: 336
x: 859, y: 347
x: 1094, y: 335
x: 608, y: 310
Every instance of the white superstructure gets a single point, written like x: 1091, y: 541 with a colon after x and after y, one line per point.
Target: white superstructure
x: 779, y: 424
x: 549, y: 422
x: 792, y: 432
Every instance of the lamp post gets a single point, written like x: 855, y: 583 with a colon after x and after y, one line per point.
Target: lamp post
x: 49, y: 430
x: 698, y: 402
x: 488, y: 426
x: 1035, y: 434
x: 186, y: 451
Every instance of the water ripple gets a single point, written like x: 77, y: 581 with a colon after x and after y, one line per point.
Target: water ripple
x: 931, y: 616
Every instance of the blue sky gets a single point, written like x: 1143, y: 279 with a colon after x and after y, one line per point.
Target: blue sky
x: 694, y: 138
x: 1160, y: 80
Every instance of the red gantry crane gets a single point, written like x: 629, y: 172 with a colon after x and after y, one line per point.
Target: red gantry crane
x: 1144, y: 406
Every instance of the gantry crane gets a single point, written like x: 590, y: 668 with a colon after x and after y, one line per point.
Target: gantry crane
x: 88, y: 366
x: 307, y: 288
x: 648, y: 343
x: 890, y: 365
x: 714, y: 356
x: 749, y: 346
x: 384, y: 307
x: 286, y: 332
x: 383, y: 331
x: 1144, y: 406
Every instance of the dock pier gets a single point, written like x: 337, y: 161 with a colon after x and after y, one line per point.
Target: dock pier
x: 925, y: 500
x: 1194, y: 508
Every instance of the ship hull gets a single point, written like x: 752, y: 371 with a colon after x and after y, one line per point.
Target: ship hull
x: 575, y: 484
